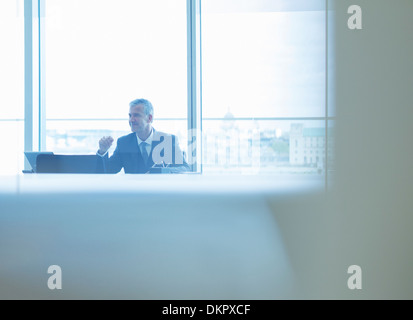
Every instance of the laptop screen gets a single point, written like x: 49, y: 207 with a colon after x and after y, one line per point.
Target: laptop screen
x: 31, y: 156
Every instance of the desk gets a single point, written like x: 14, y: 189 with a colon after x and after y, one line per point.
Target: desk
x: 145, y: 237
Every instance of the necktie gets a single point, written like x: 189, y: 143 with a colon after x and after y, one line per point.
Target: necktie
x: 144, y: 152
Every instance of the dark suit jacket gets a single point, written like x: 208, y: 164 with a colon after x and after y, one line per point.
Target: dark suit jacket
x: 127, y: 155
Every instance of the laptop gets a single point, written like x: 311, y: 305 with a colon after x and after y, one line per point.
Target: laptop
x: 31, y: 156
x: 54, y: 163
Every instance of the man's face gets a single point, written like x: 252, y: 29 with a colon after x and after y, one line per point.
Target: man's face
x: 138, y: 121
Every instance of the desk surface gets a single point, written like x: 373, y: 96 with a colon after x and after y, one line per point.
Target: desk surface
x: 183, y: 183
x: 143, y: 237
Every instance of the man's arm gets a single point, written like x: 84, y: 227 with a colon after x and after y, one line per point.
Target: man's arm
x: 179, y: 165
x: 168, y: 154
x: 112, y: 164
x: 104, y: 144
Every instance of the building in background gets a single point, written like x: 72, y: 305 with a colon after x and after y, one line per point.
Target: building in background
x: 307, y: 146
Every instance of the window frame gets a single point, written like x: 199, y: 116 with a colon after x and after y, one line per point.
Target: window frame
x: 34, y: 93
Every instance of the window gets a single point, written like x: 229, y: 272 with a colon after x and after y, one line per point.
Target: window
x: 12, y: 85
x: 264, y: 80
x: 102, y: 54
x: 257, y: 97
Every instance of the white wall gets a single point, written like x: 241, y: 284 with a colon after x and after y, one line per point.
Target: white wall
x: 369, y: 220
x: 374, y: 107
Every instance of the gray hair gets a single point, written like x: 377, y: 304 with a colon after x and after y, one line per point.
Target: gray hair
x: 147, y: 106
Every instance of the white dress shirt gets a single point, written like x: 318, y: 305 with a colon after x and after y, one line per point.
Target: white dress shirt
x: 148, y: 142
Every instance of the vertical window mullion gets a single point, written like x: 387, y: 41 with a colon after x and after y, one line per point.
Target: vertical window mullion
x: 28, y: 78
x: 42, y: 75
x: 194, y: 84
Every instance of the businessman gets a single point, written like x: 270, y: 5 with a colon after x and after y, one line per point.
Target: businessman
x: 145, y: 150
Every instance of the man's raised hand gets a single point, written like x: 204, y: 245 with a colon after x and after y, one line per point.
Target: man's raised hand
x: 104, y: 144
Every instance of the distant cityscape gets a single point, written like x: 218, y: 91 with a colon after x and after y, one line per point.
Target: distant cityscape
x: 229, y: 146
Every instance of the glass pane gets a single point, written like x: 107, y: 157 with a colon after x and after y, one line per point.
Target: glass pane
x: 102, y: 54
x: 331, y: 165
x: 11, y: 60
x: 82, y: 137
x: 264, y: 147
x: 12, y: 156
x: 264, y: 58
x: 331, y: 64
x: 11, y: 86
